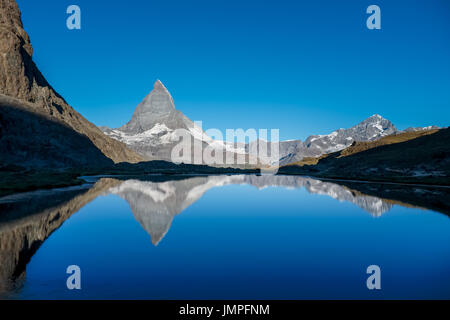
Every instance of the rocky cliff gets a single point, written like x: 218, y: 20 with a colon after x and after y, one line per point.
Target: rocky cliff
x: 21, y: 79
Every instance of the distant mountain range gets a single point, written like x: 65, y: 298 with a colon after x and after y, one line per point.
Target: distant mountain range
x: 370, y: 129
x: 414, y: 156
x: 151, y: 133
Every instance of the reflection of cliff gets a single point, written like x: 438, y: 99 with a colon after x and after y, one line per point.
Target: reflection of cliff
x: 375, y: 198
x: 26, y: 222
x: 422, y: 196
x: 154, y: 204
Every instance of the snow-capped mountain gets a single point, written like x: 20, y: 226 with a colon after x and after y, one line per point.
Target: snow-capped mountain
x: 415, y: 129
x: 373, y: 128
x: 152, y: 129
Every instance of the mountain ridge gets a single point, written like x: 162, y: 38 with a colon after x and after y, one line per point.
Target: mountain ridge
x: 424, y: 159
x: 151, y: 133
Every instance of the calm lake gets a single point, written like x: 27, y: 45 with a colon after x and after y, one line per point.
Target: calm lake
x: 226, y: 237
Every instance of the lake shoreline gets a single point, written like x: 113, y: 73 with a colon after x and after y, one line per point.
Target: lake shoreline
x: 18, y: 182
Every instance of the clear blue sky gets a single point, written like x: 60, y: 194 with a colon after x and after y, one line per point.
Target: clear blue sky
x: 305, y: 67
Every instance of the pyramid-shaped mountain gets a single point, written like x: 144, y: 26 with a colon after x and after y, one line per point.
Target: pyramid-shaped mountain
x: 156, y: 109
x: 152, y: 129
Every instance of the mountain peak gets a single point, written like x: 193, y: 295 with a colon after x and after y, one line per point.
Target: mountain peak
x: 158, y: 86
x: 157, y: 108
x: 377, y: 116
x: 377, y: 119
x: 374, y: 128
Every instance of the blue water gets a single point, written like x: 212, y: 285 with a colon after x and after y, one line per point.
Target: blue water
x: 240, y: 242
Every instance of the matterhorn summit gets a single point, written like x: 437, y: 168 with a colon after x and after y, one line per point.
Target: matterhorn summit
x: 151, y: 130
x: 156, y: 109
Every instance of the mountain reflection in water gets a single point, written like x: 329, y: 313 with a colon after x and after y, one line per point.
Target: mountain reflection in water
x: 27, y: 220
x: 155, y: 204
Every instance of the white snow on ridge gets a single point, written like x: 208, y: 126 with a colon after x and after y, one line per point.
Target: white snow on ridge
x: 378, y: 126
x: 333, y: 135
x: 157, y: 129
x: 159, y: 192
x: 160, y: 133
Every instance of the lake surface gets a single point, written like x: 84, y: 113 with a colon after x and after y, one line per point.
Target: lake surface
x: 226, y: 237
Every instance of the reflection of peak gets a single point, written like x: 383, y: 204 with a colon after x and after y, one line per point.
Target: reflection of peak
x: 375, y: 206
x: 155, y: 204
x: 152, y: 204
x: 158, y: 192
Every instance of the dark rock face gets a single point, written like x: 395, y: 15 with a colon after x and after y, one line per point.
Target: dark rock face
x: 21, y: 79
x: 17, y: 69
x: 36, y: 140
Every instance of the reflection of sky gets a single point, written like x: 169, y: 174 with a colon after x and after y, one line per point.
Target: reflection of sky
x: 239, y: 242
x: 305, y: 67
